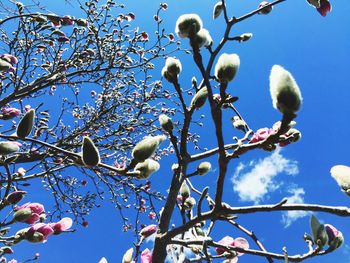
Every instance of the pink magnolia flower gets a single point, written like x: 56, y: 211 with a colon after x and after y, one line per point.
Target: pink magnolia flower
x: 148, y: 230
x: 229, y: 241
x: 146, y: 256
x: 36, y: 210
x: 262, y: 134
x: 61, y: 226
x: 9, y: 113
x: 322, y: 6
x: 12, y: 261
x: 335, y: 237
x: 39, y: 233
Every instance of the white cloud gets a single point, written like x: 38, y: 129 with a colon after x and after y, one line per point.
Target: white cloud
x: 255, y: 184
x: 297, y: 197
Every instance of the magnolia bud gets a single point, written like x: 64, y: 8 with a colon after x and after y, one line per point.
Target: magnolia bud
x: 218, y: 8
x: 172, y: 69
x: 6, y: 250
x: 226, y: 67
x: 188, y: 25
x: 146, y: 168
x: 90, y: 154
x: 238, y: 123
x: 8, y: 147
x: 148, y: 230
x: 200, y: 98
x: 203, y: 38
x: 265, y: 10
x: 341, y: 175
x: 203, y: 168
x: 14, y: 197
x: 166, y: 123
x: 145, y: 148
x: 189, y: 203
x: 36, y: 237
x: 245, y: 37
x: 26, y: 124
x: 295, y: 135
x: 185, y: 190
x: 175, y: 167
x: 22, y: 215
x: 4, y: 65
x: 285, y: 93
x: 127, y: 258
x: 335, y: 237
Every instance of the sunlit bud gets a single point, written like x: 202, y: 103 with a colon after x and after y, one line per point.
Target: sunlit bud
x: 319, y: 232
x: 265, y: 10
x: 277, y: 125
x: 146, y: 168
x: 4, y: 65
x: 285, y: 93
x: 335, y: 237
x: 40, y: 19
x: 172, y: 69
x: 245, y: 37
x: 26, y: 124
x: 145, y: 148
x: 341, y: 175
x: 218, y: 8
x: 11, y: 59
x: 175, y: 167
x: 82, y: 22
x: 226, y: 67
x: 203, y: 168
x: 189, y: 203
x: 9, y: 147
x: 185, y: 190
x: 200, y: 98
x: 188, y: 25
x: 14, y: 197
x: 127, y: 258
x: 194, y: 82
x: 166, y: 123
x: 238, y: 123
x: 148, y: 230
x: 203, y: 38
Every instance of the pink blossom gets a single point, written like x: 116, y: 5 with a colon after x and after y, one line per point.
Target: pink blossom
x: 9, y: 113
x: 152, y: 215
x: 39, y: 233
x: 229, y: 241
x: 146, y: 256
x: 148, y: 230
x: 61, y: 226
x: 36, y: 210
x: 262, y: 134
x: 322, y: 6
x: 67, y: 21
x: 12, y: 261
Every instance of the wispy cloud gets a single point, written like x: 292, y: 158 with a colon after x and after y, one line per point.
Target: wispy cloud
x: 260, y: 181
x: 297, y: 197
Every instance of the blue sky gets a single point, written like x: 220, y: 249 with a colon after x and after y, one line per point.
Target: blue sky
x: 316, y: 50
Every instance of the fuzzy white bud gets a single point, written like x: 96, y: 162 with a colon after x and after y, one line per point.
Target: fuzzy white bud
x: 285, y: 93
x: 341, y: 174
x: 199, y: 98
x: 204, y: 168
x: 218, y: 8
x: 203, y: 38
x: 146, y: 168
x: 227, y: 67
x: 145, y: 148
x: 188, y: 25
x: 166, y: 123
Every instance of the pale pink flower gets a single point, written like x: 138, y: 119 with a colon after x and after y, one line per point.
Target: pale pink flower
x: 9, y: 113
x: 262, y: 134
x: 146, y: 256
x: 61, y: 226
x: 44, y: 229
x: 12, y: 261
x: 148, y: 230
x: 229, y: 241
x: 36, y: 209
x: 322, y: 6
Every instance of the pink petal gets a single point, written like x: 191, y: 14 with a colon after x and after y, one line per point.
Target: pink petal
x: 242, y: 243
x: 324, y: 8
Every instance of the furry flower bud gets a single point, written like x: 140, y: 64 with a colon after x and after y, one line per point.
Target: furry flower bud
x: 341, y: 175
x: 265, y: 10
x: 146, y: 168
x: 203, y: 168
x: 185, y: 190
x: 166, y: 123
x: 8, y: 147
x: 335, y: 237
x: 172, y: 69
x: 25, y: 125
x: 90, y: 153
x: 189, y: 203
x: 188, y: 25
x: 238, y: 123
x: 127, y: 258
x: 218, y: 8
x: 227, y: 67
x: 203, y: 38
x: 285, y: 93
x: 199, y: 98
x: 146, y: 148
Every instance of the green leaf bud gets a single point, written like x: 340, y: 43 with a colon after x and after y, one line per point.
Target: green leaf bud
x: 25, y: 125
x: 90, y: 153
